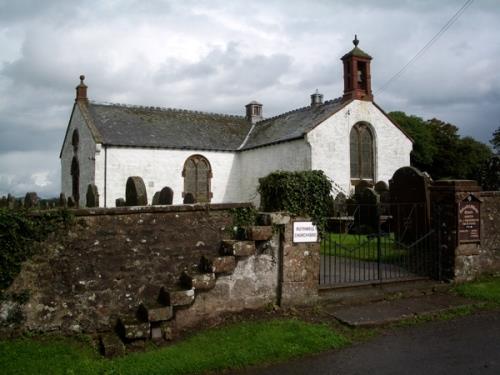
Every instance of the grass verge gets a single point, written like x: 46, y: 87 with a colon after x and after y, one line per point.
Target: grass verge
x: 233, y: 346
x: 487, y: 290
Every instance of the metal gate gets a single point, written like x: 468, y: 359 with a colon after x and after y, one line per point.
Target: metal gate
x: 382, y: 242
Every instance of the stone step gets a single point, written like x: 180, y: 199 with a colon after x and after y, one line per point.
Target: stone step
x: 111, y: 346
x: 217, y: 265
x: 259, y: 233
x: 238, y: 248
x: 129, y: 328
x: 155, y: 312
x: 198, y: 281
x: 177, y: 297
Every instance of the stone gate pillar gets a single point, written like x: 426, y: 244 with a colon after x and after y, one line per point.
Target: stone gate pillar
x: 455, y: 215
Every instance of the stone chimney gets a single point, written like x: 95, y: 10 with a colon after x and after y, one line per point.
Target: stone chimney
x: 81, y: 91
x: 254, y: 112
x: 316, y: 99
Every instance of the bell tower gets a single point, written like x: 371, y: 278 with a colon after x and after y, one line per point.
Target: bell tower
x: 357, y: 77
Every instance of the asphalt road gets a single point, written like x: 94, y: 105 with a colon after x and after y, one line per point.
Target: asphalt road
x: 467, y: 345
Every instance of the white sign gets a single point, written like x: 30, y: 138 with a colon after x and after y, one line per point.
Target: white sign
x: 304, y: 231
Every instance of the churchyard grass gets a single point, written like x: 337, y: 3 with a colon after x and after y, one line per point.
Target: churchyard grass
x: 362, y: 247
x: 232, y: 346
x: 487, y: 290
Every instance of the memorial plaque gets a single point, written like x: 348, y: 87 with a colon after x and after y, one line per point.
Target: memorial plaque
x: 469, y: 220
x: 304, y: 231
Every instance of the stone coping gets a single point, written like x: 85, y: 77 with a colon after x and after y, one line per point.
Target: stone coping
x: 490, y: 193
x: 154, y: 209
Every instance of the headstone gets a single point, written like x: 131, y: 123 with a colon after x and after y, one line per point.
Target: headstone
x: 11, y: 202
x: 31, y: 200
x: 3, y: 202
x: 120, y: 202
x: 381, y: 187
x: 362, y: 185
x: 135, y: 192
x: 340, y: 205
x: 189, y: 198
x: 63, y: 202
x: 71, y: 202
x: 156, y: 199
x: 166, y: 195
x: 382, y: 190
x: 410, y: 204
x: 367, y: 215
x: 92, y: 196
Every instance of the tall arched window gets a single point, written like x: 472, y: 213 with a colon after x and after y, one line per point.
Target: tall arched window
x: 75, y: 139
x: 75, y: 180
x: 197, y: 174
x: 362, y: 151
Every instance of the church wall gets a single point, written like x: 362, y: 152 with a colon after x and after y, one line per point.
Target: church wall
x: 259, y: 162
x: 330, y: 144
x: 85, y: 155
x: 160, y: 167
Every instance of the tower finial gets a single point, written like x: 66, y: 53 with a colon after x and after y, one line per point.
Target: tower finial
x: 82, y: 78
x: 355, y: 41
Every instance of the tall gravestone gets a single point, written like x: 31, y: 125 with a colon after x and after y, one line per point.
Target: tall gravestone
x: 367, y: 215
x: 156, y: 199
x: 63, y: 202
x: 410, y: 204
x: 31, y: 200
x: 11, y: 202
x: 166, y: 195
x: 189, y: 199
x: 92, y: 196
x: 135, y: 192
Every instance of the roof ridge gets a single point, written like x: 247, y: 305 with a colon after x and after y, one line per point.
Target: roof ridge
x: 166, y: 109
x: 331, y: 101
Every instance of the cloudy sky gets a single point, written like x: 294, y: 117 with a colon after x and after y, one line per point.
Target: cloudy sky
x: 218, y: 55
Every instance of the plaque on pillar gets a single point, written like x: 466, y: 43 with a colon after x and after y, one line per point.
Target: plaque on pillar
x: 469, y: 220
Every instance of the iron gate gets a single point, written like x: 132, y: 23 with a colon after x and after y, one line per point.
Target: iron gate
x: 379, y: 242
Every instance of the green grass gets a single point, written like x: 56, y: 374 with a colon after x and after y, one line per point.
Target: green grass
x: 233, y: 346
x: 487, y: 290
x: 362, y: 247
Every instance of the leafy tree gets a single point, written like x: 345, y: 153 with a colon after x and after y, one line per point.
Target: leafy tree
x: 472, y: 156
x: 495, y: 141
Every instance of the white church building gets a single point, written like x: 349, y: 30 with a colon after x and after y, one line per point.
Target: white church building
x: 219, y: 158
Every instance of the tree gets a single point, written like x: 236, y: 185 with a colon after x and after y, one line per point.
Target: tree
x: 495, y: 141
x: 473, y: 155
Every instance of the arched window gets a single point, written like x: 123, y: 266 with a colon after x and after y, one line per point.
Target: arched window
x: 75, y: 180
x: 197, y: 174
x: 362, y: 151
x: 75, y: 139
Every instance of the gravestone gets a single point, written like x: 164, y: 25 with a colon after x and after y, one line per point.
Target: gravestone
x: 367, y: 215
x: 71, y: 202
x: 362, y: 185
x: 166, y: 195
x: 3, y: 202
x: 63, y: 202
x: 340, y: 205
x: 382, y: 190
x: 31, y: 200
x: 189, y: 199
x: 135, y: 192
x: 120, y: 202
x: 156, y: 199
x: 410, y: 204
x: 92, y: 196
x: 11, y: 202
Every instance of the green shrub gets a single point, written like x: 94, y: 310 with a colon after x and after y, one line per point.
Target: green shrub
x: 304, y: 193
x: 20, y: 230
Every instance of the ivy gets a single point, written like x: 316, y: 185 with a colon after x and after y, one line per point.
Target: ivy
x: 20, y: 230
x: 304, y: 193
x: 243, y: 217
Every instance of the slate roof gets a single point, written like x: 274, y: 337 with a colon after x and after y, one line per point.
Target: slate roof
x: 133, y: 126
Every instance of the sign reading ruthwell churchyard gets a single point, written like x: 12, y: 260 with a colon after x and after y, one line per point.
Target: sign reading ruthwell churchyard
x: 304, y: 231
x: 469, y: 220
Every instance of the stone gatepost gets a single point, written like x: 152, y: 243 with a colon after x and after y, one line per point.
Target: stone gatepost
x: 456, y: 214
x: 298, y: 259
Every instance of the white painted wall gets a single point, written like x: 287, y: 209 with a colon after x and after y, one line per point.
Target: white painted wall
x: 259, y: 162
x: 330, y: 143
x: 159, y: 168
x: 85, y: 155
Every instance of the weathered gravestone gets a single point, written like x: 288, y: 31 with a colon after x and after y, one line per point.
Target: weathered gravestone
x: 92, y: 196
x: 189, y: 198
x: 382, y: 190
x: 120, y: 202
x: 135, y: 192
x: 63, y: 202
x: 362, y: 185
x: 166, y: 195
x: 31, y: 200
x: 366, y: 218
x: 71, y: 202
x: 340, y: 221
x: 410, y: 204
x: 156, y: 199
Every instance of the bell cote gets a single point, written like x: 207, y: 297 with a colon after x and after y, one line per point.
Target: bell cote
x: 357, y: 77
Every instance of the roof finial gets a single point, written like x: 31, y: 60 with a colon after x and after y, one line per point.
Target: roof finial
x: 82, y: 78
x: 355, y: 41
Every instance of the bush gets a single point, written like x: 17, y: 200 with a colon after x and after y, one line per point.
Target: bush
x: 304, y: 193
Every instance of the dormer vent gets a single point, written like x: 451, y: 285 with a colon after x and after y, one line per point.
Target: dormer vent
x: 316, y: 99
x: 254, y: 112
